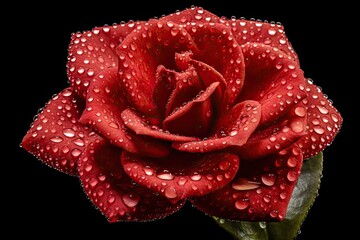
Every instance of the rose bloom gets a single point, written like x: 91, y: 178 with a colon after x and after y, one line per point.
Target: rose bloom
x: 188, y: 106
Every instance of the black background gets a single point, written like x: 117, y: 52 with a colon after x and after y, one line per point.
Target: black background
x: 42, y: 200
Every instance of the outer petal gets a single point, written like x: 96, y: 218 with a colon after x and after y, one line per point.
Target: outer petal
x: 56, y: 137
x: 272, y: 79
x: 89, y: 53
x: 324, y: 122
x: 142, y: 52
x: 181, y: 174
x: 273, y: 138
x: 260, y: 191
x: 233, y: 129
x: 192, y: 15
x: 105, y: 102
x: 113, y: 192
x: 263, y: 33
x: 219, y: 49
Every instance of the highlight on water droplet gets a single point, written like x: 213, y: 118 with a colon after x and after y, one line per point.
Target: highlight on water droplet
x: 242, y: 204
x: 268, y: 179
x: 131, y: 199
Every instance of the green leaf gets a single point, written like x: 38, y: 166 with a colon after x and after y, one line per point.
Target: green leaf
x: 303, y: 197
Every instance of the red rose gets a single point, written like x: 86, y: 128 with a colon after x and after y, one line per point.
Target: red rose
x: 189, y: 106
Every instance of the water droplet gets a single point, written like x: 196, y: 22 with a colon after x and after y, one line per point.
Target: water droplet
x: 79, y: 142
x: 88, y: 167
x: 334, y: 117
x: 243, y: 184
x: 131, y: 200
x: 242, y: 204
x: 297, y: 126
x: 268, y: 179
x: 56, y: 139
x: 300, y: 111
x: 323, y: 110
x: 75, y: 152
x: 182, y: 181
x: 292, y: 162
x: 174, y: 31
x: 233, y: 133
x: 315, y: 121
x: 170, y: 192
x: 113, y: 125
x: 90, y: 72
x: 111, y: 199
x: 148, y: 171
x: 291, y: 176
x: 195, y: 177
x: 68, y: 132
x: 262, y: 225
x: 133, y: 46
x: 93, y: 182
x: 224, y: 165
x: 272, y: 31
x: 319, y: 130
x: 273, y: 213
x: 165, y: 175
x: 283, y: 195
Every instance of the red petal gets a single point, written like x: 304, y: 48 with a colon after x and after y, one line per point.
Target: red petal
x: 233, y: 129
x: 324, y: 122
x: 264, y: 33
x: 56, y: 137
x: 182, y: 175
x: 139, y: 126
x: 192, y: 15
x: 89, y: 53
x: 105, y: 102
x: 281, y: 134
x: 260, y: 191
x: 272, y: 79
x: 142, y: 52
x: 165, y: 84
x: 219, y: 49
x: 207, y: 74
x: 194, y: 118
x: 113, y: 192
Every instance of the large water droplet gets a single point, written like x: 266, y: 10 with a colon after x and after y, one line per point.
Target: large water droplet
x: 334, y: 117
x: 322, y: 109
x: 291, y: 176
x: 93, y: 182
x: 165, y: 175
x: 130, y: 199
x: 297, y: 126
x: 319, y: 130
x: 242, y: 204
x: 292, y: 162
x: 244, y: 184
x: 233, y: 133
x: 300, y: 111
x: 79, y: 142
x: 75, y: 152
x: 195, y: 177
x: 268, y: 179
x: 113, y: 125
x: 273, y: 213
x: 68, y: 132
x: 56, y: 139
x: 148, y: 171
x: 224, y: 165
x: 170, y: 192
x: 272, y: 31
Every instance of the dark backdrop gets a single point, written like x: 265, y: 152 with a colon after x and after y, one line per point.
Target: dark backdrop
x: 42, y: 200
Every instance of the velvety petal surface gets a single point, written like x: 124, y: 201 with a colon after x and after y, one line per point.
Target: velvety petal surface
x: 181, y: 175
x: 56, y: 136
x: 105, y: 102
x: 113, y: 192
x: 260, y: 191
x: 324, y: 121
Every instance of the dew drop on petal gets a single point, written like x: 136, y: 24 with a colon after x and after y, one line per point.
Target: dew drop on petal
x: 68, y: 132
x: 291, y: 176
x: 224, y: 165
x: 170, y: 192
x: 319, y: 130
x: 300, y: 111
x: 241, y: 204
x: 56, y: 139
x: 165, y: 175
x: 131, y: 200
x: 243, y: 184
x: 268, y: 179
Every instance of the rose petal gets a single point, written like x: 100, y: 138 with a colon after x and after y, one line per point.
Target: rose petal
x: 194, y: 118
x: 182, y: 175
x: 141, y: 52
x: 56, y: 137
x: 105, y: 102
x: 206, y: 73
x: 281, y: 134
x: 192, y: 15
x: 260, y: 191
x: 263, y: 33
x: 218, y: 48
x: 89, y: 53
x: 324, y: 122
x: 113, y: 192
x: 138, y: 125
x: 272, y: 79
x: 233, y: 129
